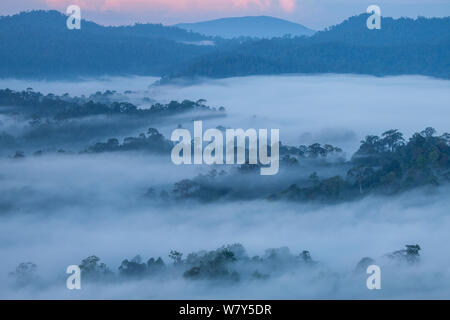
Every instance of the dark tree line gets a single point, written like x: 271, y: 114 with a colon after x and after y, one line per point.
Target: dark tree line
x: 37, y: 106
x: 152, y: 141
x: 385, y: 165
x: 229, y: 263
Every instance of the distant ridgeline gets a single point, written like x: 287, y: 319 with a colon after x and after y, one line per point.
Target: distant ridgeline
x: 402, y: 47
x: 255, y: 27
x: 37, y: 44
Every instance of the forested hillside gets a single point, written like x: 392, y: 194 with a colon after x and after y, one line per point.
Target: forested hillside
x: 38, y: 44
x: 403, y: 46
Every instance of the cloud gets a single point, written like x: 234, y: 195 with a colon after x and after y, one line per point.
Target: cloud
x: 287, y: 5
x: 175, y: 5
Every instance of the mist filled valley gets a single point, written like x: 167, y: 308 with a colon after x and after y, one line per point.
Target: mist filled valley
x: 86, y: 178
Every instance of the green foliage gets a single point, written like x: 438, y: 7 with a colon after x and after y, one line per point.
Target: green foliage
x: 133, y: 268
x: 37, y: 44
x: 409, y: 255
x: 383, y: 165
x: 37, y: 106
x: 402, y: 46
x: 229, y: 263
x: 153, y: 142
x: 363, y: 264
x: 176, y: 257
x: 92, y: 269
x: 391, y: 163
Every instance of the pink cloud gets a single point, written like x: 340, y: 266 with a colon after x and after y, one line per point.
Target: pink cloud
x: 175, y: 5
x: 287, y: 5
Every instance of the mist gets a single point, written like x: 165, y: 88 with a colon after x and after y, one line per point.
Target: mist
x: 92, y: 205
x: 335, y: 109
x: 57, y: 209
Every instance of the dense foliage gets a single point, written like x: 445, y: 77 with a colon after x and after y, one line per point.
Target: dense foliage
x: 229, y: 263
x: 384, y: 165
x: 65, y: 107
x: 37, y: 44
x: 52, y: 123
x: 402, y: 46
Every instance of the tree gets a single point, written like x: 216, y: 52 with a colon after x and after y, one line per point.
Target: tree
x: 92, y: 269
x: 176, y: 257
x: 428, y: 132
x: 184, y: 188
x: 25, y: 273
x: 392, y: 139
x: 133, y: 268
x: 314, y: 179
x: 370, y: 145
x: 154, y: 266
x: 306, y: 257
x: 363, y: 264
x: 316, y: 150
x: 19, y: 155
x: 201, y: 102
x: 410, y: 254
x: 113, y: 143
x: 360, y: 173
x: 153, y: 132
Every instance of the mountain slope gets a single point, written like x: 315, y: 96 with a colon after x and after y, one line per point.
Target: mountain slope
x: 402, y: 46
x: 253, y: 26
x: 402, y: 31
x: 38, y: 44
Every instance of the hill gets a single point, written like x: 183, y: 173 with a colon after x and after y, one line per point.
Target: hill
x: 402, y: 46
x: 253, y: 26
x: 402, y: 31
x: 38, y: 44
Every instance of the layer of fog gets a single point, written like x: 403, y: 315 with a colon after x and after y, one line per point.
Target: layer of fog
x: 335, y: 109
x: 70, y: 207
x: 79, y: 87
x: 57, y: 210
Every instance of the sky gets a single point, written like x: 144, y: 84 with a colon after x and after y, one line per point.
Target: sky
x: 316, y: 14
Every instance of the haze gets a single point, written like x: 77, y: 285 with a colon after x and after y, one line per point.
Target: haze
x: 67, y: 207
